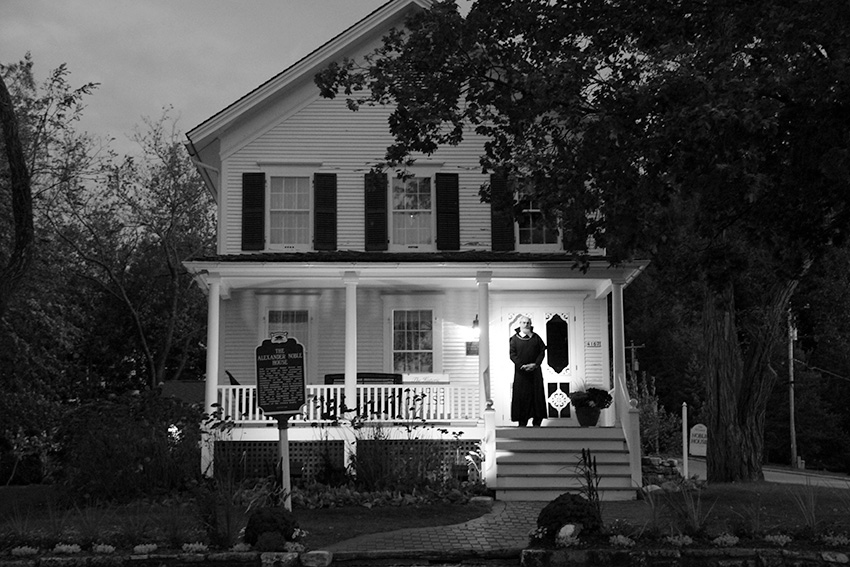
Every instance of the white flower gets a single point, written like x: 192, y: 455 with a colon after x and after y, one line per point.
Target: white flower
x: 24, y: 551
x: 144, y: 548
x: 66, y: 548
x: 196, y: 547
x: 725, y: 540
x: 103, y: 548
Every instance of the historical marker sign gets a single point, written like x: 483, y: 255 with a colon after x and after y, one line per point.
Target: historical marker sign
x: 280, y: 376
x: 699, y: 440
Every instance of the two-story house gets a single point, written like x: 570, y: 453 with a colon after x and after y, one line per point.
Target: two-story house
x: 401, y: 274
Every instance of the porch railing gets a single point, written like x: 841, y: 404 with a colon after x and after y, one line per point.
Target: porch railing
x: 401, y: 402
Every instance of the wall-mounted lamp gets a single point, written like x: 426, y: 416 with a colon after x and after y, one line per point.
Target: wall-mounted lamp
x: 476, y: 332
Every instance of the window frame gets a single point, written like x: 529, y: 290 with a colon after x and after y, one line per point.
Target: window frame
x: 292, y: 172
x: 556, y: 246
x: 416, y: 172
x: 430, y: 302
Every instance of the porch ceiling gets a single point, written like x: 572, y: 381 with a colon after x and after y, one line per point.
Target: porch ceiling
x: 541, y: 273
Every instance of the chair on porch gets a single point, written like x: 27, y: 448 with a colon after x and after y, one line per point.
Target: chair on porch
x: 392, y: 400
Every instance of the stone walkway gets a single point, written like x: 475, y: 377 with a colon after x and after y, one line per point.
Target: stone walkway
x: 502, y: 532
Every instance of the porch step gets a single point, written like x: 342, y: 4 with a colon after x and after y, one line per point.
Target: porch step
x: 540, y: 463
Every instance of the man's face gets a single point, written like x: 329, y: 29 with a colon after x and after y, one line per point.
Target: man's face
x: 525, y: 324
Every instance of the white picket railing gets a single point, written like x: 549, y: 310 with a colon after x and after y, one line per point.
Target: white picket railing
x: 396, y: 402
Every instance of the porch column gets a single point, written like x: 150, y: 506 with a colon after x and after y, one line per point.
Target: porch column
x: 483, y: 279
x: 350, y: 279
x: 211, y: 380
x: 213, y: 309
x: 619, y: 340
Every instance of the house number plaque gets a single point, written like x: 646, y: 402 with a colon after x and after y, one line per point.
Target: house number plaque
x: 280, y: 376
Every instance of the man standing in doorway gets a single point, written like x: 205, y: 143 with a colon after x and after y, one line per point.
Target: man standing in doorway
x: 527, y: 350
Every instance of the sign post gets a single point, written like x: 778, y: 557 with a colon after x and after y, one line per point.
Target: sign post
x: 281, y: 392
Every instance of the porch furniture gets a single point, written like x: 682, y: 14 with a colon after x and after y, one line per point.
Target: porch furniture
x: 386, y: 403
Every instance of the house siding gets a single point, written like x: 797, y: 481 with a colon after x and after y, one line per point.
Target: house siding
x: 595, y: 331
x: 346, y: 143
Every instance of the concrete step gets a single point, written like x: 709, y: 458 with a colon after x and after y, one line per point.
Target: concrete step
x: 549, y: 494
x: 564, y: 458
x: 558, y: 469
x: 540, y: 463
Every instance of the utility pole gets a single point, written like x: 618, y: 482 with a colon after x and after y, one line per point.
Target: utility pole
x: 632, y: 348
x: 792, y: 336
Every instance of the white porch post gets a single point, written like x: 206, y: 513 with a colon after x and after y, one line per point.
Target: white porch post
x: 626, y: 410
x: 483, y: 279
x: 211, y: 382
x: 619, y: 340
x: 350, y: 279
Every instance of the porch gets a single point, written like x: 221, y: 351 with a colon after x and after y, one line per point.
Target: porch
x: 529, y: 464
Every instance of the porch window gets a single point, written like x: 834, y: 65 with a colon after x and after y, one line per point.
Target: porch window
x: 413, y: 341
x: 289, y: 212
x: 293, y: 323
x: 412, y: 213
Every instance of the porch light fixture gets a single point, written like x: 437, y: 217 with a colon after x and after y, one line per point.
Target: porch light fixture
x: 476, y: 332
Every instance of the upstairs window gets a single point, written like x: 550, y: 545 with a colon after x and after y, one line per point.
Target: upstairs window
x: 416, y: 213
x: 534, y: 230
x: 412, y: 214
x: 289, y: 212
x: 413, y: 341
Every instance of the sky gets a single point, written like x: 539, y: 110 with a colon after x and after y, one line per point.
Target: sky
x: 197, y: 56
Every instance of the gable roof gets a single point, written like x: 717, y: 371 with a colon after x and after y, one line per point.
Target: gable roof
x: 393, y: 13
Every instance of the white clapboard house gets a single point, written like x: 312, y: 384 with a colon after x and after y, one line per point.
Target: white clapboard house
x: 402, y: 291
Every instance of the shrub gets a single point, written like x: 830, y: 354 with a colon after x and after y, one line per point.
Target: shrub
x: 568, y: 509
x: 276, y: 520
x: 129, y: 446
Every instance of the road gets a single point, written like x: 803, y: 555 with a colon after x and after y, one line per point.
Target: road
x: 696, y: 466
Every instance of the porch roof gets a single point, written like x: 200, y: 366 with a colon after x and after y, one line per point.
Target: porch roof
x: 411, y: 272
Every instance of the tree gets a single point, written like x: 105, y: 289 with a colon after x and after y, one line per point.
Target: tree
x: 711, y: 137
x: 130, y: 232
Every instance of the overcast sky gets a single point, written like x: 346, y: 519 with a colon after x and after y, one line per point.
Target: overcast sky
x: 195, y: 55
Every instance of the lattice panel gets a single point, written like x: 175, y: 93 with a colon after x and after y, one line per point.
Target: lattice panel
x: 252, y: 459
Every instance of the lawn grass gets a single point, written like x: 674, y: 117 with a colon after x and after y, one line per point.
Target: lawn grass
x: 742, y: 509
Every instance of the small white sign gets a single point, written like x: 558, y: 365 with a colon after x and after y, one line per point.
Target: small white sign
x: 699, y: 440
x: 593, y: 344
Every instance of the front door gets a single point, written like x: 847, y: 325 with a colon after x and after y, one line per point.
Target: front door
x: 558, y: 329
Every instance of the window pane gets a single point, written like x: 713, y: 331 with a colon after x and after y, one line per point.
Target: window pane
x: 289, y: 210
x: 413, y: 340
x: 411, y: 214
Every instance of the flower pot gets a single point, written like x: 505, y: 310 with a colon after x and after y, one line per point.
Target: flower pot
x: 587, y: 417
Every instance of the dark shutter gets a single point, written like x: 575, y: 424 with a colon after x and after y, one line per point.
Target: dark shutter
x: 501, y: 214
x: 448, y: 211
x: 253, y: 211
x: 324, y: 218
x: 376, y: 211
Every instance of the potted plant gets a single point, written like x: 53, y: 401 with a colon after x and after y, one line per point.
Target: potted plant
x: 589, y: 403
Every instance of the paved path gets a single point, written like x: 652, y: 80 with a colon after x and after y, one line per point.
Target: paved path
x: 500, y: 534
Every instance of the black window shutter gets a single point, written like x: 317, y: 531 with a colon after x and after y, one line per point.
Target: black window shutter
x: 376, y: 211
x: 253, y: 211
x: 501, y: 214
x: 448, y: 211
x: 324, y: 217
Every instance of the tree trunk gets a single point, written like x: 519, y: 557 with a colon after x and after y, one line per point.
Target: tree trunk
x: 20, y: 257
x: 739, y: 381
